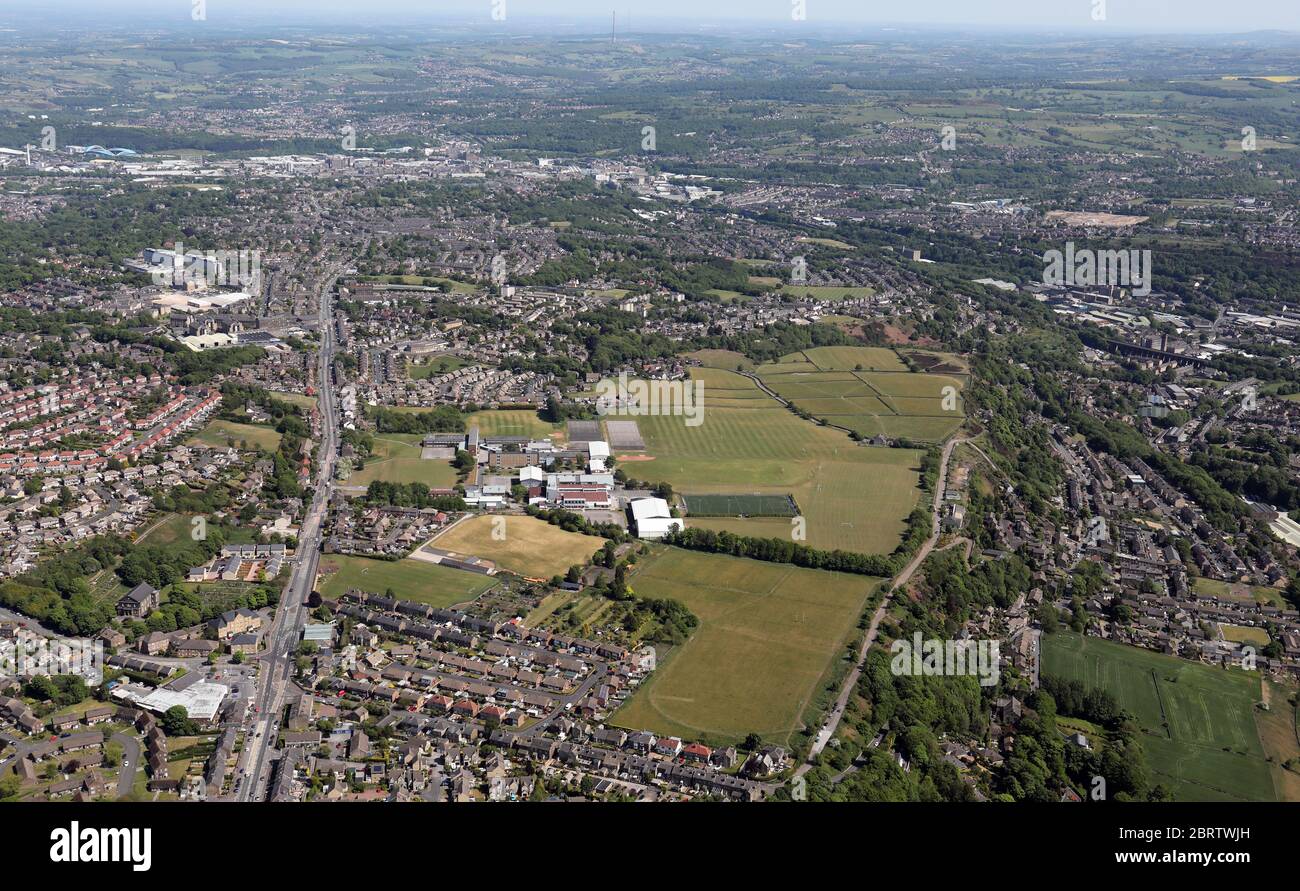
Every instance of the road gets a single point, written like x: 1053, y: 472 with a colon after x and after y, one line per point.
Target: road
x: 130, y: 763
x: 291, y: 615
x: 31, y: 624
x: 851, y: 682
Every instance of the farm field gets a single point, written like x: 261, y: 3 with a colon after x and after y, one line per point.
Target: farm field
x: 396, y: 459
x: 847, y: 358
x: 768, y: 635
x: 853, y: 497
x: 725, y: 359
x: 1200, y: 733
x: 217, y: 434
x: 868, y: 390
x: 411, y: 579
x: 532, y: 547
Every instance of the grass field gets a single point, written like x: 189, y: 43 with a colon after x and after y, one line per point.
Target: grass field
x: 429, y: 366
x: 868, y: 390
x: 1245, y: 634
x: 219, y: 433
x: 396, y: 459
x: 1238, y: 592
x: 167, y: 529
x: 1200, y: 734
x: 847, y: 358
x: 769, y: 635
x: 301, y: 400
x: 531, y: 547
x: 410, y: 579
x: 725, y: 359
x: 1279, y: 730
x: 740, y: 505
x: 512, y: 422
x: 853, y: 497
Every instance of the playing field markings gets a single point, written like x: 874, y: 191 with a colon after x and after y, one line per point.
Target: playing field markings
x: 880, y: 394
x: 1164, y: 714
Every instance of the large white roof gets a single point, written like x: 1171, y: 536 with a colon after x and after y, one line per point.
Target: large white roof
x: 649, y: 508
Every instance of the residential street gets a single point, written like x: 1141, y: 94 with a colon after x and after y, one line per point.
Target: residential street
x: 291, y: 615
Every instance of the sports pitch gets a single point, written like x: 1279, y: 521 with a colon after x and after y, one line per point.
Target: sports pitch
x: 769, y: 635
x: 396, y: 459
x: 852, y: 497
x: 529, y: 546
x: 870, y: 391
x: 740, y: 505
x: 410, y: 579
x: 1200, y: 734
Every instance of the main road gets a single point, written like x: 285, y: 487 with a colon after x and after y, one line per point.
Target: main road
x: 291, y: 615
x: 851, y: 682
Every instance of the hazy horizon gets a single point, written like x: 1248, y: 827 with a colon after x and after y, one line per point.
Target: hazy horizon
x: 1150, y: 16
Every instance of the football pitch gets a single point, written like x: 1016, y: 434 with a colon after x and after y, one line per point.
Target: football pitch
x: 740, y: 505
x: 1198, y: 721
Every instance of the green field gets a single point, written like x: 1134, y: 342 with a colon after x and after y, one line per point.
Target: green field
x: 769, y: 635
x: 530, y: 547
x: 853, y: 497
x: 302, y: 400
x: 511, y: 422
x: 1239, y: 592
x: 396, y: 459
x: 1199, y: 729
x: 431, y: 365
x: 218, y: 434
x: 740, y: 505
x: 410, y: 579
x: 868, y: 390
x: 725, y: 359
x: 1245, y: 634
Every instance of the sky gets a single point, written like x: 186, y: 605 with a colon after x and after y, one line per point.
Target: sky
x: 1164, y: 16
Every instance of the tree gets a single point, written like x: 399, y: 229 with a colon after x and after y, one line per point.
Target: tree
x: 176, y: 722
x: 1048, y: 618
x: 8, y: 786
